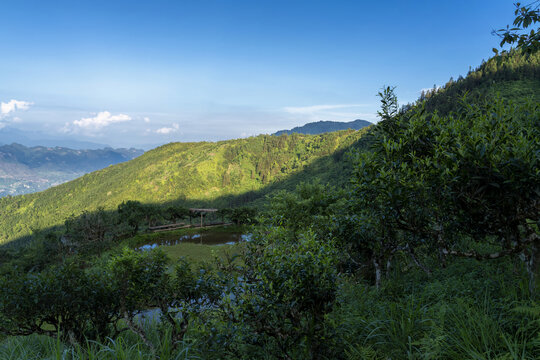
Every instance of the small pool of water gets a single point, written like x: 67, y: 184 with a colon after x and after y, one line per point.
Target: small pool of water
x: 207, y: 238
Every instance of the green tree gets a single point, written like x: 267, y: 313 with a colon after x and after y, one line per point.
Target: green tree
x: 132, y: 213
x: 176, y: 213
x: 242, y: 215
x: 90, y: 230
x: 526, y: 16
x: 65, y: 300
x: 300, y: 209
x: 439, y: 180
x: 285, y: 290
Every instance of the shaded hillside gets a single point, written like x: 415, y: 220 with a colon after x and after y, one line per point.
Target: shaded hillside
x: 321, y: 127
x: 187, y: 173
x: 513, y: 75
x: 29, y: 169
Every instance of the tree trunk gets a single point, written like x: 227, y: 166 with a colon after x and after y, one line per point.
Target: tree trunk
x: 388, y: 266
x: 441, y: 247
x: 137, y: 329
x: 378, y: 272
x: 531, y: 257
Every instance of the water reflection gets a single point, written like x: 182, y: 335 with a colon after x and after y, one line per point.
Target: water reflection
x: 208, y: 238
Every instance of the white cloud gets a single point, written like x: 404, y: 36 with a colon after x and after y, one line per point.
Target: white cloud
x: 168, y: 130
x: 92, y: 125
x: 101, y: 120
x: 12, y: 106
x: 7, y: 110
x: 146, y: 119
x: 317, y: 108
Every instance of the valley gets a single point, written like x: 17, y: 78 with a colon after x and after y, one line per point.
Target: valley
x: 31, y: 169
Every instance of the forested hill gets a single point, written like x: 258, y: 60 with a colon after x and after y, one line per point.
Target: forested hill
x: 29, y: 169
x: 321, y: 127
x: 514, y: 75
x: 219, y: 174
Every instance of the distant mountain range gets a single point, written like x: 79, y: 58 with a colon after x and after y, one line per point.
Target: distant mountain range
x: 30, y: 169
x: 320, y: 127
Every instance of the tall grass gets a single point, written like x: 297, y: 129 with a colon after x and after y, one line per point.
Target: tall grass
x: 459, y: 314
x: 127, y: 346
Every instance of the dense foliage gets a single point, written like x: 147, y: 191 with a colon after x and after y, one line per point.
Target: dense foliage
x: 527, y: 17
x: 435, y: 180
x: 78, y: 304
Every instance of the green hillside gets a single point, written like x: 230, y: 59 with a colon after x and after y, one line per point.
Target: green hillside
x: 219, y: 174
x: 515, y: 76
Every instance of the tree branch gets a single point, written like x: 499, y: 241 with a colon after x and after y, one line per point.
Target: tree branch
x: 416, y: 261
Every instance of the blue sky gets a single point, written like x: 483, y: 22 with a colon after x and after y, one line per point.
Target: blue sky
x: 142, y: 73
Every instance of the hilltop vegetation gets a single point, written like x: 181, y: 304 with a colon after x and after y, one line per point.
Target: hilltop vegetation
x: 514, y: 75
x: 225, y: 173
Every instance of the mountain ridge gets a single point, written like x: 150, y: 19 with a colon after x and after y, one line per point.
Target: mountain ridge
x: 323, y: 126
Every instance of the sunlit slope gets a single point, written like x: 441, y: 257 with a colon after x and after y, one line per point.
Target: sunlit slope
x: 190, y: 173
x: 513, y: 76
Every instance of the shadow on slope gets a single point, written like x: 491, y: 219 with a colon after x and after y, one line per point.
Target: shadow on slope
x: 334, y: 169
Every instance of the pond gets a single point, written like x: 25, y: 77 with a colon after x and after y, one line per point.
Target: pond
x: 206, y: 238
